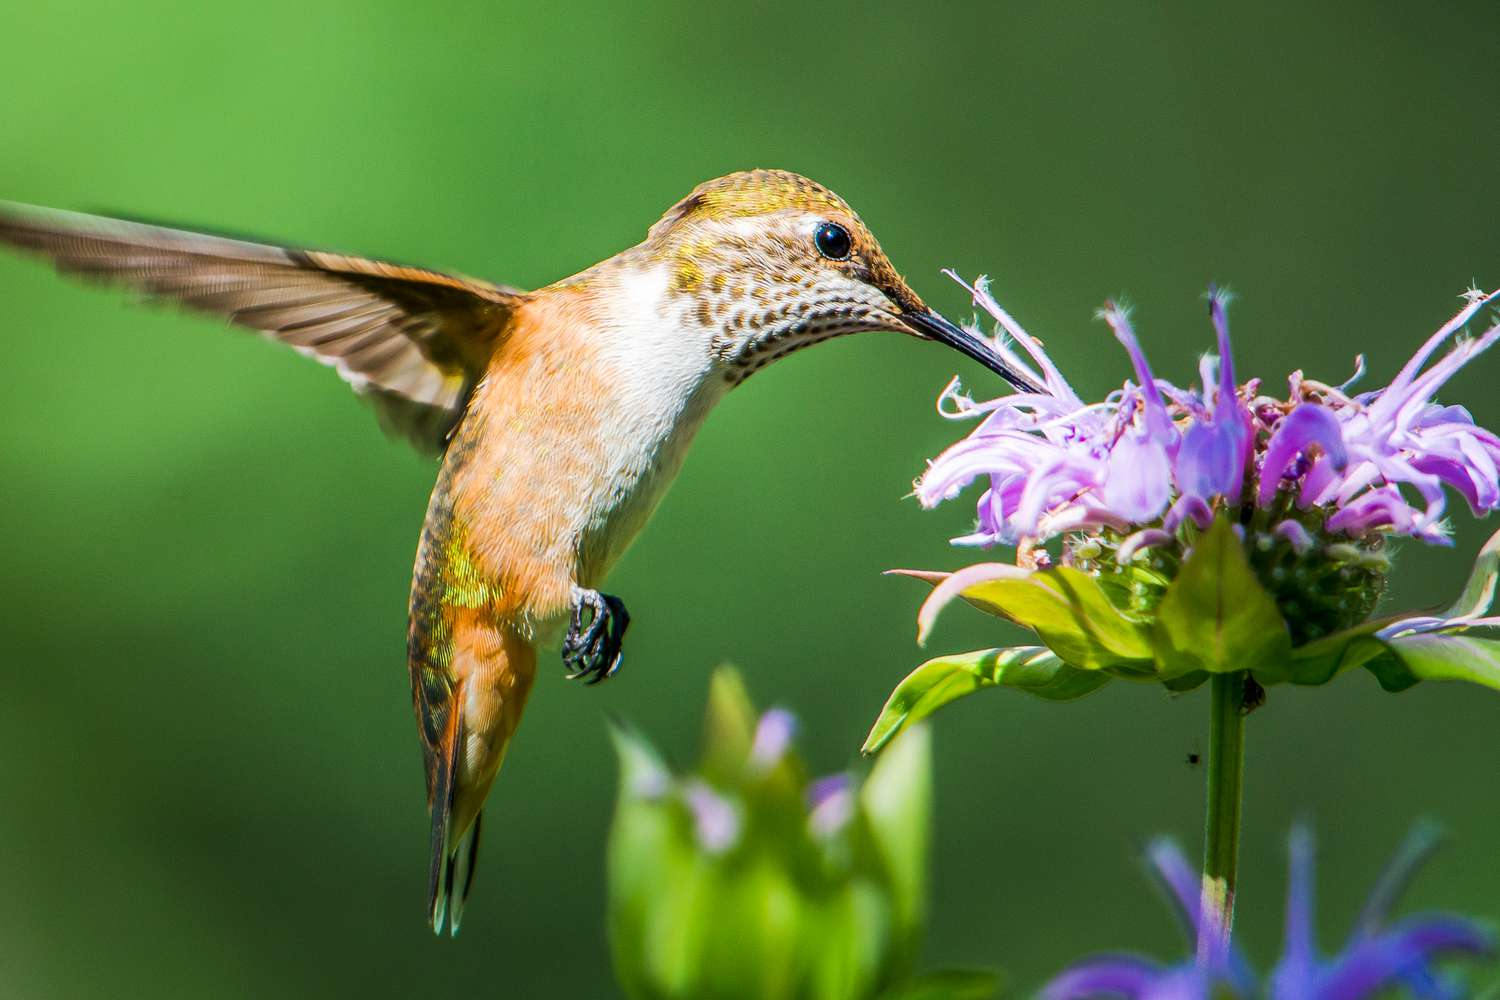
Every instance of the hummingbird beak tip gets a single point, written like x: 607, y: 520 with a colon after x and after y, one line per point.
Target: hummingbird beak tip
x: 931, y: 325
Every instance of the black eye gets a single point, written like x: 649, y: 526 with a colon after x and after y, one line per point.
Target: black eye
x: 833, y: 241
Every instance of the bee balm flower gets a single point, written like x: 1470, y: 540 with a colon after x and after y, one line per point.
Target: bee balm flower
x: 1153, y: 456
x: 1376, y: 957
x: 1172, y: 533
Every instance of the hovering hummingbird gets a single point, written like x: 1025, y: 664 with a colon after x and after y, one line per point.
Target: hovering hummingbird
x: 561, y: 416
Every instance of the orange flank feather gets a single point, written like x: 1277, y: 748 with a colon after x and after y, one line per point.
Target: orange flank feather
x: 496, y: 569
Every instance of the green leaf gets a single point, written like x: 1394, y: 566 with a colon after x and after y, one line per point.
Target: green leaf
x: 1479, y: 591
x: 752, y: 925
x: 944, y: 679
x: 1183, y: 683
x: 896, y: 800
x: 1449, y: 654
x: 1216, y: 616
x: 728, y: 727
x: 948, y: 984
x: 1071, y: 613
x: 847, y: 949
x: 1321, y: 660
x: 642, y: 771
x: 646, y: 850
x: 1438, y: 656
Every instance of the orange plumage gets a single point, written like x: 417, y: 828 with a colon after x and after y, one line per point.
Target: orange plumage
x: 562, y: 415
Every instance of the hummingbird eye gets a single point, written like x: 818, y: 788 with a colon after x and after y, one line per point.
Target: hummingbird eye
x: 832, y: 241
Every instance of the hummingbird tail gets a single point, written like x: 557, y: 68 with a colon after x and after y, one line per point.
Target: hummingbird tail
x: 440, y: 871
x: 455, y: 877
x: 467, y: 727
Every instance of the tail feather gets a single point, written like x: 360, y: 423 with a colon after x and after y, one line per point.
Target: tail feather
x: 437, y: 908
x: 469, y: 691
x: 455, y: 876
x: 439, y: 872
x: 461, y: 865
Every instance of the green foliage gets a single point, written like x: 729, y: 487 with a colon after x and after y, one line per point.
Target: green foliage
x: 211, y: 762
x: 1213, y: 617
x: 1437, y: 657
x: 745, y: 879
x: 1456, y: 644
x: 1072, y: 615
x: 1033, y: 669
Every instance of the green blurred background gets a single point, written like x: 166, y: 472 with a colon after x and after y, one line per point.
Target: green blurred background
x: 209, y: 779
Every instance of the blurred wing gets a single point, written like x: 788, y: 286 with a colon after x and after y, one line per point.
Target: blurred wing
x: 414, y: 340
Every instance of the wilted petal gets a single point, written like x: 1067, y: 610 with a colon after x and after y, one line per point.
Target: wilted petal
x: 955, y: 584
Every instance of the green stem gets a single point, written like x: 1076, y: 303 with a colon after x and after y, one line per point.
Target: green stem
x: 1221, y: 842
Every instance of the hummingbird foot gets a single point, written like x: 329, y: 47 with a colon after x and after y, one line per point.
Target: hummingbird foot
x: 591, y: 649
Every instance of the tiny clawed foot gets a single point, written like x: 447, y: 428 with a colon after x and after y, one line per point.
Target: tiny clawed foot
x: 592, y: 647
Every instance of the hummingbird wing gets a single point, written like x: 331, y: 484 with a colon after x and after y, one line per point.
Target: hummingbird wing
x: 413, y: 340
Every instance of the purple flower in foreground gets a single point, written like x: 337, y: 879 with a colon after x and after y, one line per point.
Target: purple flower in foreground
x: 716, y: 820
x: 1153, y: 456
x: 745, y: 877
x: 773, y: 736
x: 831, y: 804
x: 1377, y: 955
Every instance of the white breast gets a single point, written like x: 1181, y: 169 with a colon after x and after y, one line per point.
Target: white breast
x: 663, y: 382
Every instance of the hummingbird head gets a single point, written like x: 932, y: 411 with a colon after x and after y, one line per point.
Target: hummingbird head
x: 768, y: 262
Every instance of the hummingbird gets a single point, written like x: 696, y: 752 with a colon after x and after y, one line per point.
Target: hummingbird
x: 560, y: 415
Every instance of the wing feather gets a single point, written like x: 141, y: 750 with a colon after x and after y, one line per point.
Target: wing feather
x: 414, y: 340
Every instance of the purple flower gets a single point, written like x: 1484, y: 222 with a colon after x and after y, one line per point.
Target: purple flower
x: 1153, y: 456
x: 773, y: 735
x: 830, y: 804
x: 1378, y: 955
x: 716, y: 820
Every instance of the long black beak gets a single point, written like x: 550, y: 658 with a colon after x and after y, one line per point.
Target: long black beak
x: 932, y: 326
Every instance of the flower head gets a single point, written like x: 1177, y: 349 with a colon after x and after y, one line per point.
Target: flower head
x: 1379, y: 954
x: 1152, y: 456
x: 1209, y: 529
